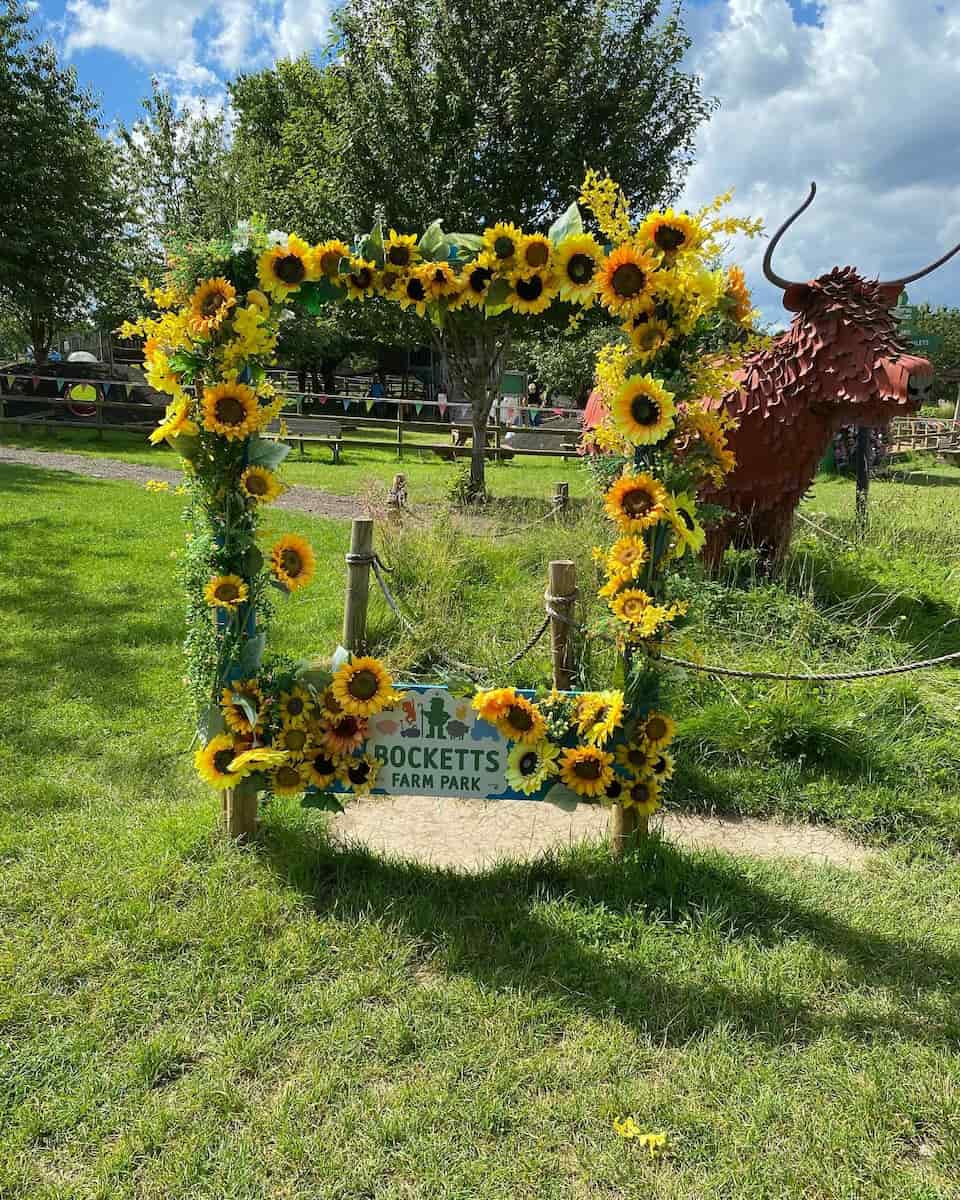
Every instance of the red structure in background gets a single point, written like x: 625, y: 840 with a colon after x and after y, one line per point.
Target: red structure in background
x: 840, y: 363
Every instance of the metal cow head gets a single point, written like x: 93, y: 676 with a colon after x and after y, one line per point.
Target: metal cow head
x: 845, y: 344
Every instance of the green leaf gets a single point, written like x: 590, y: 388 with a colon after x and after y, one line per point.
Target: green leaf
x: 460, y: 686
x: 316, y: 293
x: 248, y: 710
x: 571, y: 222
x: 325, y: 801
x: 263, y: 452
x: 497, y: 293
x: 210, y: 722
x: 251, y: 653
x: 252, y: 563
x: 371, y: 247
x: 187, y: 445
x: 433, y: 244
x: 314, y: 677
x: 465, y: 245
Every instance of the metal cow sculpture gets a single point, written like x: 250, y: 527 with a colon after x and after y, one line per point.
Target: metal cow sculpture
x: 840, y: 363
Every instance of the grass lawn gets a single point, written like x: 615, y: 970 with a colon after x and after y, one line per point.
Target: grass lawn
x: 183, y: 1018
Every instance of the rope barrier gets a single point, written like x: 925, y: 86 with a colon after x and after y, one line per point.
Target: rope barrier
x: 828, y: 677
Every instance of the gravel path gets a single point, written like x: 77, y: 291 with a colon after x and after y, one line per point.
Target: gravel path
x: 297, y: 498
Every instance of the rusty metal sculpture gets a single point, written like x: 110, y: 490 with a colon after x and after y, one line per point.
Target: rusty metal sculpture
x: 840, y: 363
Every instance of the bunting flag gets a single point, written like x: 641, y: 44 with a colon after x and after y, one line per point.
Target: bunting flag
x: 106, y: 385
x: 60, y: 382
x: 36, y: 381
x: 442, y: 405
x: 558, y: 412
x: 346, y: 404
x: 11, y: 379
x: 322, y: 399
x: 419, y: 407
x: 370, y: 403
x: 128, y: 387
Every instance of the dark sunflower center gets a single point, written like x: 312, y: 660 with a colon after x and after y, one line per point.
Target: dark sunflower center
x: 518, y: 718
x: 230, y: 411
x: 363, y: 685
x: 580, y: 268
x: 600, y: 715
x: 669, y: 239
x: 287, y: 776
x: 660, y: 765
x: 290, y: 269
x: 537, y: 254
x: 439, y: 277
x: 530, y: 289
x: 212, y: 304
x: 291, y: 562
x: 388, y: 279
x: 330, y: 262
x: 640, y: 792
x: 587, y: 768
x: 528, y: 763
x: 323, y: 765
x: 399, y: 256
x: 636, y: 758
x: 503, y: 247
x: 479, y: 278
x: 347, y: 727
x: 416, y: 290
x: 222, y: 759
x: 359, y: 773
x: 640, y: 319
x: 362, y: 278
x: 257, y: 485
x: 637, y: 503
x: 687, y: 519
x: 664, y: 311
x: 644, y: 410
x: 628, y: 280
x: 656, y: 728
x: 614, y: 789
x: 294, y: 706
x: 296, y: 739
x: 227, y: 591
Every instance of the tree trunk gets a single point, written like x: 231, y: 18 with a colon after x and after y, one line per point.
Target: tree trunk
x: 41, y: 335
x: 476, y: 356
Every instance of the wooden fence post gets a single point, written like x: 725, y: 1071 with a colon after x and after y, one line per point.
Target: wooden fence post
x: 561, y: 496
x: 239, y: 813
x: 561, y: 597
x: 358, y: 584
x: 627, y: 829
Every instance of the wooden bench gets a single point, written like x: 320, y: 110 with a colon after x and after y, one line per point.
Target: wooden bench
x: 321, y: 430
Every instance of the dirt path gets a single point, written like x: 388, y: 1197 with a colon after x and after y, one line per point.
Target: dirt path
x: 472, y: 834
x: 297, y: 498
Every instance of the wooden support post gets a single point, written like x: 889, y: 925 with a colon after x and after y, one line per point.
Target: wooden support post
x: 627, y: 829
x: 400, y: 431
x: 863, y: 478
x: 561, y: 597
x: 561, y: 496
x: 358, y: 584
x: 239, y: 814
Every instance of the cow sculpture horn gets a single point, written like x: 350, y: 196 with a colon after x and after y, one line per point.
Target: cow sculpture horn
x: 767, y: 269
x: 902, y: 283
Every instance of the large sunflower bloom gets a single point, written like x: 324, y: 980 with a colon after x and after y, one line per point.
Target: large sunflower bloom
x: 213, y: 762
x: 624, y: 280
x: 231, y: 409
x: 648, y: 335
x: 294, y: 740
x: 292, y: 561
x: 598, y: 714
x: 690, y: 534
x: 503, y: 241
x: 360, y: 279
x: 410, y: 291
x: 210, y: 304
x: 362, y: 687
x: 491, y: 705
x: 289, y: 779
x: 636, y: 502
x: 326, y: 258
x: 534, y: 253
x: 233, y: 711
x: 477, y: 277
x: 586, y: 770
x: 643, y: 410
x: 626, y: 556
x: 657, y: 730
x: 400, y: 250
x: 282, y: 269
x: 322, y: 769
x: 360, y: 774
x: 522, y: 721
x: 293, y: 707
x: 345, y: 733
x: 529, y: 767
x: 531, y: 293
x: 576, y: 263
x: 225, y: 591
x: 260, y: 485
x: 643, y: 795
x: 439, y: 280
x: 635, y: 758
x: 632, y: 607
x: 176, y: 420
x: 671, y: 233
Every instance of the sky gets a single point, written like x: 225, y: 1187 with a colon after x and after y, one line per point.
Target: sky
x: 862, y: 96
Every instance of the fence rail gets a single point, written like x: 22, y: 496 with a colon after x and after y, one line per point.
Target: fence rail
x: 924, y: 433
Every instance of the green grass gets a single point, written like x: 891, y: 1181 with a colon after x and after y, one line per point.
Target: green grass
x: 183, y: 1018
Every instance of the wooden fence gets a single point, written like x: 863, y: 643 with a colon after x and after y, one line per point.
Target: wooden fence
x: 933, y: 434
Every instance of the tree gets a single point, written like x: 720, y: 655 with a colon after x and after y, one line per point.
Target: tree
x: 943, y: 323
x: 61, y: 206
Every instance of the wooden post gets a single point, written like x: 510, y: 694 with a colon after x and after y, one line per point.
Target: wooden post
x: 561, y: 496
x: 400, y: 430
x: 863, y: 478
x: 627, y: 829
x: 561, y: 597
x: 239, y: 814
x: 358, y: 584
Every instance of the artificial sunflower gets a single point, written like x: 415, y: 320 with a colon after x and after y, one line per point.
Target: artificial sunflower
x: 586, y: 770
x: 491, y: 705
x: 292, y: 561
x: 643, y: 795
x: 327, y: 258
x: 213, y: 762
x: 626, y: 556
x: 635, y: 758
x: 345, y: 733
x: 231, y: 409
x: 476, y: 280
x: 657, y: 730
x: 283, y: 268
x: 636, y: 502
x: 648, y: 335
x: 410, y: 291
x: 234, y: 713
x: 210, y: 304
x: 613, y: 792
x: 225, y: 591
x: 661, y: 765
x: 360, y: 774
x: 643, y: 410
x: 360, y: 279
x: 625, y: 280
x: 439, y: 279
x: 530, y: 766
x: 532, y: 293
x: 295, y: 740
x: 322, y: 769
x: 522, y: 721
x: 258, y: 758
x: 362, y: 687
x: 259, y: 300
x: 503, y: 241
x: 598, y: 714
x: 260, y: 485
x: 615, y: 583
x: 671, y: 233
x: 576, y: 263
x: 293, y: 707
x: 176, y: 420
x: 400, y: 250
x: 632, y: 606
x: 690, y: 534
x: 534, y: 252
x: 289, y: 779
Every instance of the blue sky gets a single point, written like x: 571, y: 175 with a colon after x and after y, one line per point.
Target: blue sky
x: 861, y: 95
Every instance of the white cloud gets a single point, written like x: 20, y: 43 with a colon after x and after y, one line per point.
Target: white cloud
x: 865, y: 103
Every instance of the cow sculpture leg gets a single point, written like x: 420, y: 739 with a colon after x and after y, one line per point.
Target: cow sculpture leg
x: 765, y: 530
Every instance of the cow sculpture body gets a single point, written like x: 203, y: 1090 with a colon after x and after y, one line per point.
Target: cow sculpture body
x: 840, y: 363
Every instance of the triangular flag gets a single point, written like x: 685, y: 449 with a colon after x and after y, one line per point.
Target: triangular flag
x: 59, y: 383
x: 346, y: 403
x: 442, y: 405
x: 128, y: 388
x: 11, y: 379
x: 106, y: 387
x: 370, y: 403
x: 322, y: 399
x: 36, y: 382
x: 419, y: 407
x: 558, y: 412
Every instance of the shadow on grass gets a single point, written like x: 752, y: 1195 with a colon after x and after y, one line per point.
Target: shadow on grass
x: 572, y: 927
